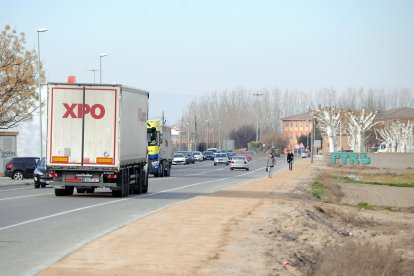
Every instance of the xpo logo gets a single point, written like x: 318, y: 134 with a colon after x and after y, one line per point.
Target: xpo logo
x: 97, y: 111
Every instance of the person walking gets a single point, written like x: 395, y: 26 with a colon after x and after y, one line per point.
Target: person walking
x: 270, y: 164
x: 290, y: 159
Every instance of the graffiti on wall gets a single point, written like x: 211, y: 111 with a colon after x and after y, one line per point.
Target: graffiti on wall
x: 350, y: 158
x: 7, y: 153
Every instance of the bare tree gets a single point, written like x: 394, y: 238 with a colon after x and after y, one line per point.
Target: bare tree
x: 358, y: 125
x: 398, y: 135
x: 18, y: 78
x: 328, y: 121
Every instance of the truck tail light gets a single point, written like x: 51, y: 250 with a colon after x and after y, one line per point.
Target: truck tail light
x: 111, y: 176
x: 9, y: 166
x: 53, y: 175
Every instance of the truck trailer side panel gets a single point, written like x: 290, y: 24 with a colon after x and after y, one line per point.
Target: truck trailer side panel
x: 134, y: 112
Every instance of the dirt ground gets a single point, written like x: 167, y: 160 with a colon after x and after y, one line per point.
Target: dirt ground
x: 265, y: 227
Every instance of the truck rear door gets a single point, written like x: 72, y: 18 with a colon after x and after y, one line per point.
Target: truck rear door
x: 82, y: 125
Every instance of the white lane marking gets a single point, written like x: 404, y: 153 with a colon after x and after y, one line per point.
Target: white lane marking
x: 17, y: 197
x: 116, y: 201
x: 27, y: 188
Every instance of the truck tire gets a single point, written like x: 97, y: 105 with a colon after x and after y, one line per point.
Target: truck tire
x: 64, y: 192
x: 80, y: 190
x: 125, y: 183
x: 145, y: 184
x: 60, y: 192
x: 136, y: 188
x: 69, y: 190
x: 161, y: 168
x: 116, y: 193
x: 168, y: 170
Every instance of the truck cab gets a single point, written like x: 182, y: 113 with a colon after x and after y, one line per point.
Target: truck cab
x: 159, y: 148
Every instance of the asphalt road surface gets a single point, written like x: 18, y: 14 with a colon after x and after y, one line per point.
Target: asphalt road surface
x: 37, y: 228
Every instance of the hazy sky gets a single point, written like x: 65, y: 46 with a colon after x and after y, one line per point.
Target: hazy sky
x: 178, y: 50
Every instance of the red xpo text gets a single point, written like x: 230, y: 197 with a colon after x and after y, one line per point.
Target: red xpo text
x: 97, y: 111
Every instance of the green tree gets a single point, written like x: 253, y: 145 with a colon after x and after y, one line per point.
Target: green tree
x: 19, y: 75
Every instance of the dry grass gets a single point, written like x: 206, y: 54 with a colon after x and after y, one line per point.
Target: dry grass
x: 361, y: 259
x: 325, y: 188
x: 345, y: 216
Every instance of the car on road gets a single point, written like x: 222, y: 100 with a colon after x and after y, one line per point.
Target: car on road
x: 230, y: 154
x: 179, y: 158
x: 41, y: 175
x: 21, y: 167
x: 220, y: 158
x: 248, y: 154
x: 305, y: 154
x: 208, y: 155
x: 189, y: 156
x: 239, y: 162
x: 213, y: 150
x: 198, y: 156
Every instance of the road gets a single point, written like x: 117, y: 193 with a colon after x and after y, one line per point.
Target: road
x: 37, y: 228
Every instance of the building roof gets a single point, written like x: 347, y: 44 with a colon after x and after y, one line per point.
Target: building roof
x: 299, y: 117
x: 401, y: 113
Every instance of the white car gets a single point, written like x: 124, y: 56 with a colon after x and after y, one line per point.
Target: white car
x: 221, y: 158
x: 179, y: 158
x: 239, y: 162
x: 198, y: 156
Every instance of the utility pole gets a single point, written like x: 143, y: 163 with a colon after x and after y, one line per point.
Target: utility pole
x: 257, y: 116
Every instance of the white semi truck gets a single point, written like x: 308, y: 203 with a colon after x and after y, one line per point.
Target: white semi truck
x: 96, y: 138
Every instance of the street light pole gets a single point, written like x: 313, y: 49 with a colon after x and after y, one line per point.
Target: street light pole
x: 40, y: 30
x: 93, y: 70
x: 219, y: 135
x: 207, y: 135
x: 100, y: 66
x: 257, y: 117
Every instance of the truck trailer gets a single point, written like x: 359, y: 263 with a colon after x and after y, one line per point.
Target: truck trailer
x: 160, y: 151
x: 96, y: 138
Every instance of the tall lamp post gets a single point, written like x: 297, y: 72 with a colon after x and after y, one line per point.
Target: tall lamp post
x: 93, y: 70
x: 219, y: 135
x: 40, y: 30
x: 100, y: 66
x: 257, y: 118
x: 207, y: 135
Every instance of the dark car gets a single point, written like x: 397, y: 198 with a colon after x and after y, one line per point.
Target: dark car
x: 208, y: 155
x: 230, y: 155
x: 41, y: 175
x: 21, y: 167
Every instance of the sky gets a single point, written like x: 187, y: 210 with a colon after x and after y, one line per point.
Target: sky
x: 181, y: 50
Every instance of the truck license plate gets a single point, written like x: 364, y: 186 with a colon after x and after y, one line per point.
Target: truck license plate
x: 90, y: 180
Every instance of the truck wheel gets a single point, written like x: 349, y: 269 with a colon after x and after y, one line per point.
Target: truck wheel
x: 145, y: 186
x: 80, y: 190
x: 168, y: 170
x: 36, y: 185
x: 125, y: 183
x: 116, y: 193
x: 136, y: 189
x: 90, y: 190
x: 161, y: 169
x: 60, y: 192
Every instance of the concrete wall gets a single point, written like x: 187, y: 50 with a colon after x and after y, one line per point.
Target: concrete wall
x: 386, y: 160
